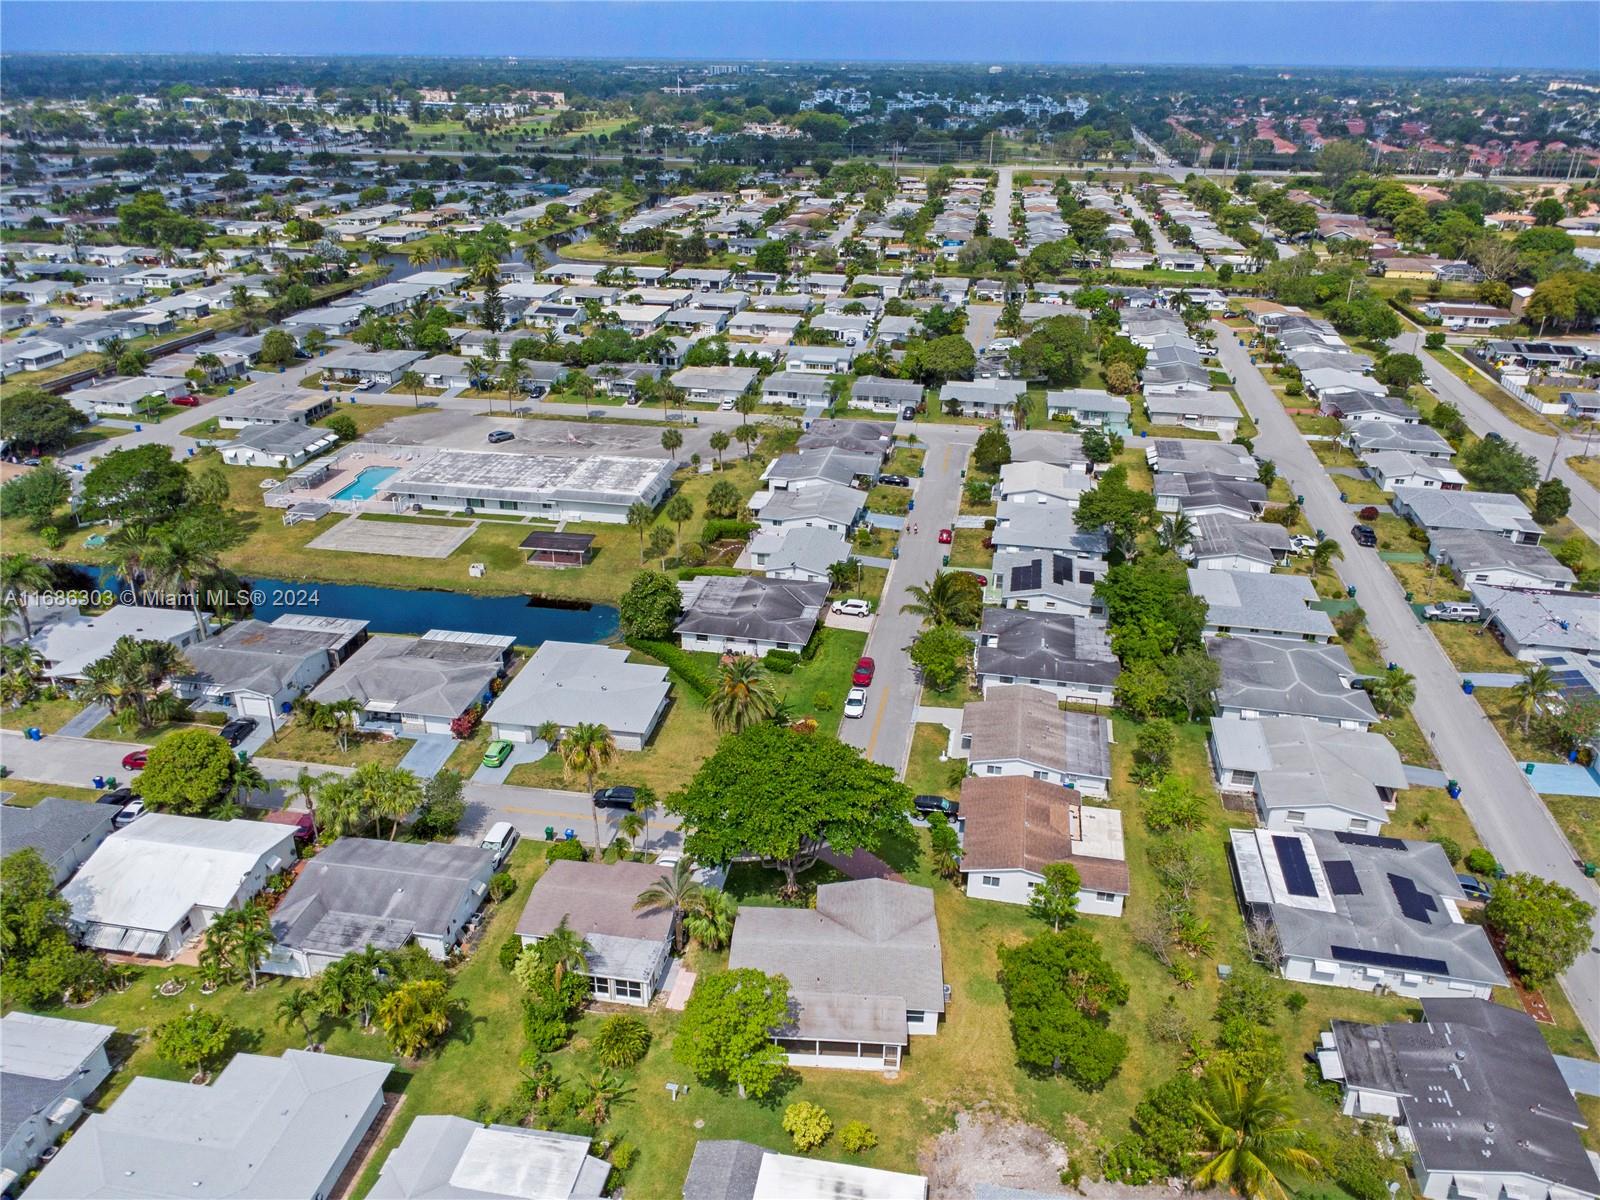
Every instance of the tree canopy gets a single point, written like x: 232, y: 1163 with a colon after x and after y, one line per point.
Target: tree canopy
x: 725, y: 1035
x: 1060, y: 988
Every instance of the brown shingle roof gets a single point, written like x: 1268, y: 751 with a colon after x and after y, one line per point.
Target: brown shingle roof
x: 1015, y: 823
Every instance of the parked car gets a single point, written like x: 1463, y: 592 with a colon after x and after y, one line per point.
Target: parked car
x: 121, y: 797
x: 496, y: 752
x: 496, y: 436
x: 1364, y: 535
x: 366, y: 385
x: 946, y: 537
x: 535, y: 390
x: 852, y: 608
x: 1474, y: 887
x: 855, y: 703
x: 932, y: 804
x: 130, y: 813
x: 895, y: 480
x: 615, y: 797
x: 908, y: 413
x: 1302, y: 543
x: 187, y: 401
x: 236, y: 730
x: 726, y: 406
x: 863, y: 672
x: 1452, y: 611
x: 135, y: 760
x: 1492, y: 436
x: 500, y: 839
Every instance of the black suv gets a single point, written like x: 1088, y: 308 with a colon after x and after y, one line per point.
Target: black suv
x: 926, y: 805
x: 1364, y: 535
x: 236, y: 730
x: 615, y: 797
x: 895, y: 480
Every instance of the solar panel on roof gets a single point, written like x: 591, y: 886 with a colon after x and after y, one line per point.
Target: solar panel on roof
x: 1341, y: 873
x: 1416, y: 905
x: 1382, y: 958
x: 1370, y: 840
x: 1296, y: 871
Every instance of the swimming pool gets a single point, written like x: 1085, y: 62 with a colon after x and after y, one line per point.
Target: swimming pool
x: 365, y: 485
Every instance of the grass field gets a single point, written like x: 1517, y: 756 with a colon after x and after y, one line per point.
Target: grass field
x: 299, y: 743
x: 47, y: 714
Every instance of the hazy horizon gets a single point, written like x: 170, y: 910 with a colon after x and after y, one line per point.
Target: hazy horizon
x: 1490, y: 35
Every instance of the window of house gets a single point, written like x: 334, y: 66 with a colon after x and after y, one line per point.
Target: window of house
x: 632, y: 989
x: 991, y: 769
x: 599, y: 986
x: 989, y: 880
x: 1105, y: 897
x: 1358, y: 825
x: 1041, y: 774
x: 913, y: 1016
x: 1295, y: 816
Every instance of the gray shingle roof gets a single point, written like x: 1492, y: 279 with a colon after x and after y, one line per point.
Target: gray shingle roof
x: 52, y: 827
x: 1256, y: 600
x: 1022, y: 722
x: 1478, y: 1089
x: 764, y: 609
x: 428, y: 676
x: 1473, y: 550
x: 1271, y: 675
x: 1300, y: 763
x: 723, y: 1170
x: 1050, y: 647
x: 1218, y: 536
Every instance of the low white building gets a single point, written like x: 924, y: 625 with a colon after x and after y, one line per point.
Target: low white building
x: 48, y: 1070
x: 72, y: 642
x: 627, y: 949
x: 155, y: 884
x: 452, y: 1156
x: 570, y: 684
x: 725, y: 614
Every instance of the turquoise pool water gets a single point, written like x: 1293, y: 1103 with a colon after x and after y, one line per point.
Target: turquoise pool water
x: 365, y: 485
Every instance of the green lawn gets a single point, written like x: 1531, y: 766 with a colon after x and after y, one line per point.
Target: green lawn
x: 926, y: 774
x: 297, y: 742
x: 48, y: 714
x: 1579, y: 818
x: 369, y: 416
x: 968, y: 549
x: 1472, y: 648
x: 25, y: 793
x: 1507, y: 404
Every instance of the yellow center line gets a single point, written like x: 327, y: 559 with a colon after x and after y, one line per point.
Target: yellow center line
x: 877, y: 721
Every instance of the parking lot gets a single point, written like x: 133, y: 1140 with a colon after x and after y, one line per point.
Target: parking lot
x: 579, y: 438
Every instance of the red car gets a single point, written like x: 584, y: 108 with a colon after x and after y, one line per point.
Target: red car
x: 134, y: 760
x: 863, y: 674
x: 946, y: 537
x: 187, y: 401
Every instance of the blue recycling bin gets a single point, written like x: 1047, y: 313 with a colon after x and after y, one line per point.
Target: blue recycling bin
x: 1454, y: 789
x: 138, y: 428
x: 570, y: 835
x: 99, y: 782
x: 1466, y: 686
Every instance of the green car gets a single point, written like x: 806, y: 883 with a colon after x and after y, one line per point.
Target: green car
x: 496, y: 753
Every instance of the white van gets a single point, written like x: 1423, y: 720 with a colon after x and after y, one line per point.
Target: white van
x: 500, y: 839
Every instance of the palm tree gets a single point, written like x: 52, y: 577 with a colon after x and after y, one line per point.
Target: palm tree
x: 563, y: 949
x: 392, y: 792
x: 630, y: 826
x: 411, y: 381
x: 1323, y: 553
x: 180, y: 561
x: 743, y: 697
x: 640, y: 517
x: 300, y: 1007
x: 247, y: 778
x: 951, y: 598
x: 709, y: 919
x: 339, y: 803
x: 252, y: 938
x: 420, y: 254
x: 415, y: 1014
x: 1392, y: 691
x: 356, y: 983
x: 132, y: 676
x: 842, y: 574
x: 305, y: 787
x: 1175, y: 533
x: 22, y: 577
x: 1253, y: 1137
x: 1537, y: 682
x: 587, y: 750
x: 719, y: 443
x: 604, y: 1089
x: 21, y: 672
x: 676, y: 891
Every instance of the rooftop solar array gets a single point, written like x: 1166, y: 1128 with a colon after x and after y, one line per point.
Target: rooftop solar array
x: 1415, y: 904
x: 1296, y: 870
x: 1381, y: 958
x: 1370, y: 840
x: 1341, y: 873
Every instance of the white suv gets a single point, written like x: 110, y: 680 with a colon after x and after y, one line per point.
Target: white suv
x: 852, y: 608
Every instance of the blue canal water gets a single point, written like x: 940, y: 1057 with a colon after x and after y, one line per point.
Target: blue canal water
x: 365, y: 485
x: 397, y: 610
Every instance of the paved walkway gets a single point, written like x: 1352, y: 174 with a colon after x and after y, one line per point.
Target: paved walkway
x: 951, y: 719
x: 1565, y: 779
x: 678, y: 985
x: 1491, y: 679
x: 428, y: 754
x: 85, y: 721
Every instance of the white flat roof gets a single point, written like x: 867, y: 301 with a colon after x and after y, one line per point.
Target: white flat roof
x: 787, y: 1177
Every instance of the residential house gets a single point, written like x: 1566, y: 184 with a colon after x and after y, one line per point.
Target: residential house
x: 858, y: 437
x: 1044, y: 529
x: 127, y: 398
x: 1021, y: 730
x: 739, y: 615
x: 572, y: 684
x: 1468, y: 316
x: 258, y: 670
x: 363, y: 892
x: 798, y: 552
x: 70, y: 643
x: 1499, y: 513
x: 991, y: 399
x: 800, y: 389
x: 1067, y: 655
x: 1048, y: 582
x: 1371, y: 437
x: 1224, y: 543
x: 825, y: 465
x: 48, y: 1070
x: 627, y: 948
x: 714, y: 384
x: 379, y: 366
x: 1356, y: 407
x: 884, y: 395
x: 1205, y: 495
x: 1475, y: 557
x: 453, y: 1157
x: 864, y: 969
x: 414, y: 685
x: 1360, y: 911
x: 1260, y: 604
x: 283, y: 1127
x: 1192, y: 456
x: 1391, y: 469
x: 820, y: 360
x: 1275, y: 677
x: 1479, y: 1102
x: 159, y: 882
x: 1014, y: 827
x: 743, y: 1171
x: 1090, y: 408
x: 1533, y: 624
x: 284, y: 446
x: 1042, y: 484
x: 63, y: 833
x: 820, y: 505
x: 1208, y: 411
x: 1306, y: 774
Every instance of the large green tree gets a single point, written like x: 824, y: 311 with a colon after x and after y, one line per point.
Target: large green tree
x: 188, y: 772
x: 651, y: 606
x: 143, y: 484
x: 1253, y: 1138
x: 781, y: 795
x: 1060, y: 989
x: 725, y: 1035
x: 1545, y: 925
x: 38, y: 421
x: 1496, y: 465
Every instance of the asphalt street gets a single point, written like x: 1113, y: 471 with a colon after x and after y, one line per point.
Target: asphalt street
x: 1000, y: 212
x: 884, y: 733
x: 1509, y: 816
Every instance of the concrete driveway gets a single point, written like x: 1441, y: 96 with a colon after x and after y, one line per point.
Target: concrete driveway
x: 531, y: 810
x: 1511, y: 819
x: 428, y: 754
x: 521, y: 752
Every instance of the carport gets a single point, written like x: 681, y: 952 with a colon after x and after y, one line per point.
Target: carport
x: 558, y: 549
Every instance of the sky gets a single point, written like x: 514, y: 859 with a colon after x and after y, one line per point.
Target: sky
x: 1558, y: 35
